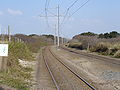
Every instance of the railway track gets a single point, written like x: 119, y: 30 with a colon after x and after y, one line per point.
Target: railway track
x: 44, y: 80
x: 46, y: 63
x: 63, y: 76
x: 98, y: 57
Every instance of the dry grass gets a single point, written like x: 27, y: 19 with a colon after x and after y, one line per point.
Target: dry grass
x: 17, y: 76
x: 102, y: 46
x: 76, y: 45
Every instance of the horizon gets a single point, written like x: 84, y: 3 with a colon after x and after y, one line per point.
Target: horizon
x: 63, y: 37
x: 95, y: 16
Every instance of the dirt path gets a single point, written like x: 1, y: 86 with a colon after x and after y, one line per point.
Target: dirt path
x: 43, y: 78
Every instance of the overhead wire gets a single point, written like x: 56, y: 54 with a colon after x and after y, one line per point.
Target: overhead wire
x: 46, y: 14
x: 79, y: 8
x: 51, y: 13
x: 68, y: 11
x: 75, y: 10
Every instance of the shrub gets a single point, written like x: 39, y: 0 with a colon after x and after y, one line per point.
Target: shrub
x: 17, y: 76
x: 117, y: 54
x: 114, y: 48
x: 76, y: 45
x: 112, y: 51
x: 102, y: 48
x: 20, y: 51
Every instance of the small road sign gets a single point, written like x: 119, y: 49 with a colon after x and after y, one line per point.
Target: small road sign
x: 3, y: 49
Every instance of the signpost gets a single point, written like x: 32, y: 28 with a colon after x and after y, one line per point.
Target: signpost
x: 3, y: 49
x: 3, y: 55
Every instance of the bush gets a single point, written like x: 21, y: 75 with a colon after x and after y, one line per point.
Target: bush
x: 101, y: 47
x: 117, y: 54
x: 107, y: 49
x: 76, y: 45
x: 114, y: 48
x: 20, y: 51
x: 17, y: 76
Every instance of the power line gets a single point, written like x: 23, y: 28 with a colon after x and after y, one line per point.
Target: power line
x: 47, y: 3
x: 75, y: 10
x: 68, y: 11
x: 51, y: 13
x: 46, y: 15
x: 73, y: 4
x: 58, y: 21
x: 79, y: 8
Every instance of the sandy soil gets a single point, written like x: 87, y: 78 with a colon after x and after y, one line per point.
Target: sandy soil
x: 104, y: 75
x: 43, y: 80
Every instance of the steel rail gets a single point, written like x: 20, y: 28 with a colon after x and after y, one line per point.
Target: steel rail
x: 76, y: 74
x: 98, y: 57
x: 50, y: 72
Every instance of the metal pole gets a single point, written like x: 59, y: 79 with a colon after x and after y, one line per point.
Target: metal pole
x: 55, y: 36
x: 0, y: 34
x: 3, y: 36
x: 58, y: 29
x: 9, y: 37
x: 62, y: 40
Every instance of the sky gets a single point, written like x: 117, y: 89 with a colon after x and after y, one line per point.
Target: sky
x: 23, y: 16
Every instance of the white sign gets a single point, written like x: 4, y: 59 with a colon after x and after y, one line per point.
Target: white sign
x: 3, y: 49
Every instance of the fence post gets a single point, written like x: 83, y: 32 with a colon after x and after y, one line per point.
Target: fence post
x: 4, y: 63
x: 1, y: 62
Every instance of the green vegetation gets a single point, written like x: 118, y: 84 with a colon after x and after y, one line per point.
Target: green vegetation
x: 34, y: 47
x: 49, y: 36
x: 88, y: 34
x: 105, y: 44
x: 117, y: 54
x: 17, y: 76
x: 76, y: 45
x: 22, y: 48
x: 17, y: 83
x: 112, y: 34
x: 103, y: 48
x: 107, y: 49
x: 35, y: 42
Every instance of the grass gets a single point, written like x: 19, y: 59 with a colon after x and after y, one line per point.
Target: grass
x: 107, y: 49
x: 17, y: 76
x: 34, y: 47
x: 117, y: 54
x: 76, y: 45
x: 17, y: 83
x: 102, y: 48
x: 20, y: 50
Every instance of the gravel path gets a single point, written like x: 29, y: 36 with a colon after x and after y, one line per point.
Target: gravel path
x: 105, y: 76
x: 65, y: 78
x: 43, y: 78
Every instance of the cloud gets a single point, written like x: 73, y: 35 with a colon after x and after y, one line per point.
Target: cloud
x: 15, y: 12
x: 1, y: 13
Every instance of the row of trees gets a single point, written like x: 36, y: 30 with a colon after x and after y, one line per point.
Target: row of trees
x: 106, y: 43
x: 112, y: 34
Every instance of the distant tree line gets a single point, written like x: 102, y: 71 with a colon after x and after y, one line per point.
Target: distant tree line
x: 112, y: 34
x: 88, y: 34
